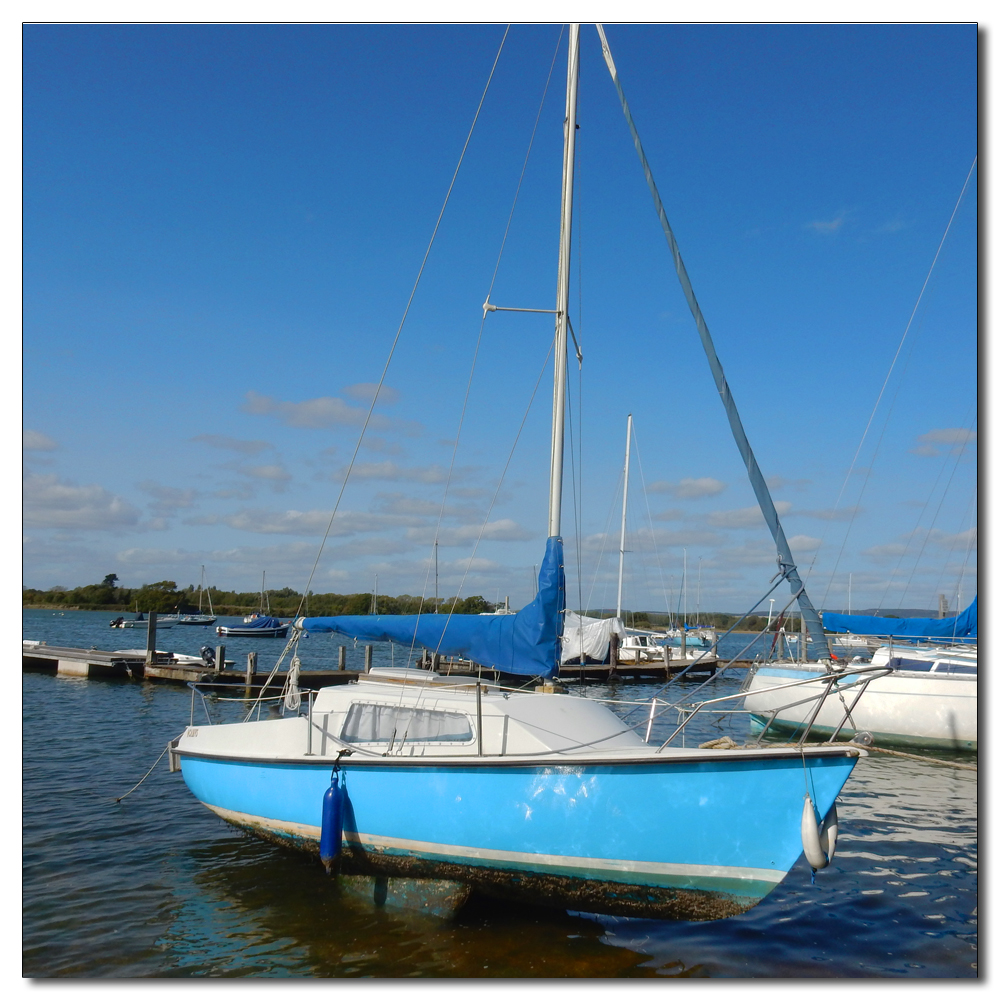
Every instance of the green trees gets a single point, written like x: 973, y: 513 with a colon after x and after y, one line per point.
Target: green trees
x: 163, y: 597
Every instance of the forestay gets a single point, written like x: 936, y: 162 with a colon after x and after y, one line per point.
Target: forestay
x: 523, y: 643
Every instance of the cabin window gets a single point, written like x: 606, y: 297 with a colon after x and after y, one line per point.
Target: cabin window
x: 938, y: 667
x: 392, y: 723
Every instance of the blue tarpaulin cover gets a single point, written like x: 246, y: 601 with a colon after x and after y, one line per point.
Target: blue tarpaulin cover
x: 524, y: 643
x: 264, y: 621
x: 961, y: 628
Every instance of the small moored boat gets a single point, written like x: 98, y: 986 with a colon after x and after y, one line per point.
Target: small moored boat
x: 259, y: 627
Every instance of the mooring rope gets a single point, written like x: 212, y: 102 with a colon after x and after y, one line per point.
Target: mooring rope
x: 145, y: 776
x: 859, y: 746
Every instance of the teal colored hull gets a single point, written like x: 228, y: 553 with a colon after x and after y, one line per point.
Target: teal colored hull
x: 660, y: 837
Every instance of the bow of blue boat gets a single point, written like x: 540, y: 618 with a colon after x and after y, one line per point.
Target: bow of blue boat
x: 548, y: 798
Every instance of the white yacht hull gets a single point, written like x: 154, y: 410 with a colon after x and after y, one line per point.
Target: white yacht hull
x: 904, y: 708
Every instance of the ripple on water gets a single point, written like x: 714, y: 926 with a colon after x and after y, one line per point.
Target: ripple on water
x: 159, y: 887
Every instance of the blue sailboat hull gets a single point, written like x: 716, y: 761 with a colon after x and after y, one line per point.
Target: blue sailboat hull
x: 688, y: 839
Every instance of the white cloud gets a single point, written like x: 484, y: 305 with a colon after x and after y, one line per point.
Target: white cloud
x: 504, y: 530
x: 881, y: 553
x: 51, y: 503
x: 167, y: 500
x: 782, y: 483
x: 671, y: 514
x: 831, y: 513
x: 744, y: 517
x: 324, y: 411
x: 400, y: 503
x: 828, y: 226
x: 645, y: 539
x: 365, y: 391
x: 804, y: 543
x: 276, y: 473
x: 371, y: 443
x: 689, y: 488
x: 37, y: 441
x: 402, y: 473
x: 232, y: 444
x: 314, y: 522
x: 954, y: 439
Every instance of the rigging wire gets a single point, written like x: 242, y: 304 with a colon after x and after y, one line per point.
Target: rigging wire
x: 500, y: 482
x: 406, y: 311
x: 970, y: 533
x: 604, y: 543
x: 652, y: 533
x: 930, y: 529
x: 482, y: 324
x: 649, y: 518
x: 467, y: 395
x: 895, y: 358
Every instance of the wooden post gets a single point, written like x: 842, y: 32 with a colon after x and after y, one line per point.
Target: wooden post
x: 220, y: 658
x: 684, y: 643
x: 151, y: 640
x: 613, y: 654
x: 251, y: 670
x: 368, y: 658
x: 342, y: 658
x: 666, y: 658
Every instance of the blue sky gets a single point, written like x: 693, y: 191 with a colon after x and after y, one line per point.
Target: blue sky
x: 222, y: 226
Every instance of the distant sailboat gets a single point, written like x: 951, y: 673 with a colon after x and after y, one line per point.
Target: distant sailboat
x: 200, y: 618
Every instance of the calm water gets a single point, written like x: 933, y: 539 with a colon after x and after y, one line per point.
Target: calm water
x: 158, y: 887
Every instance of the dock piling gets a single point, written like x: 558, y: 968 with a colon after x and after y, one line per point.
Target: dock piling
x: 342, y: 658
x: 368, y: 658
x: 251, y: 670
x: 151, y: 640
x: 220, y: 658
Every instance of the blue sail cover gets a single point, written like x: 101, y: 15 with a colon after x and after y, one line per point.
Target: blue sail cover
x: 264, y: 621
x: 961, y: 628
x: 524, y: 643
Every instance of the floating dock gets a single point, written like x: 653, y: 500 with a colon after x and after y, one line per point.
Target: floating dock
x: 97, y: 664
x: 132, y: 664
x: 646, y: 670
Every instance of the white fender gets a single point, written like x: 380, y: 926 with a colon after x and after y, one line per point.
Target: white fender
x: 814, y: 853
x: 828, y: 833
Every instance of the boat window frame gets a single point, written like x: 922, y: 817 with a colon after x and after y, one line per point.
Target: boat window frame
x: 398, y: 738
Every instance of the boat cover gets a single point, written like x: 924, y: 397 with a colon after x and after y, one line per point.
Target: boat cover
x: 522, y: 643
x: 265, y: 621
x: 589, y: 636
x: 961, y: 628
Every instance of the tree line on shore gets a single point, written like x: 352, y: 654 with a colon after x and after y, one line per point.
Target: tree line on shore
x: 164, y: 597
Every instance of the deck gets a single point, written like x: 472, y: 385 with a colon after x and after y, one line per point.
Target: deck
x: 97, y: 664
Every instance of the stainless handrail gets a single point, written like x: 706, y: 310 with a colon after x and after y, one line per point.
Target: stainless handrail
x: 827, y: 679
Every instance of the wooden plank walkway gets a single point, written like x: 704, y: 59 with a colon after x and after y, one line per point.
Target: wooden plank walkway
x: 653, y: 670
x: 98, y: 664
x: 131, y: 665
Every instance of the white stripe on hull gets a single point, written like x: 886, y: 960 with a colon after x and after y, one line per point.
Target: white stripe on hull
x: 550, y: 862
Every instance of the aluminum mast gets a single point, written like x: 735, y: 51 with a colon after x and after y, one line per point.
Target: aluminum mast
x: 562, y: 286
